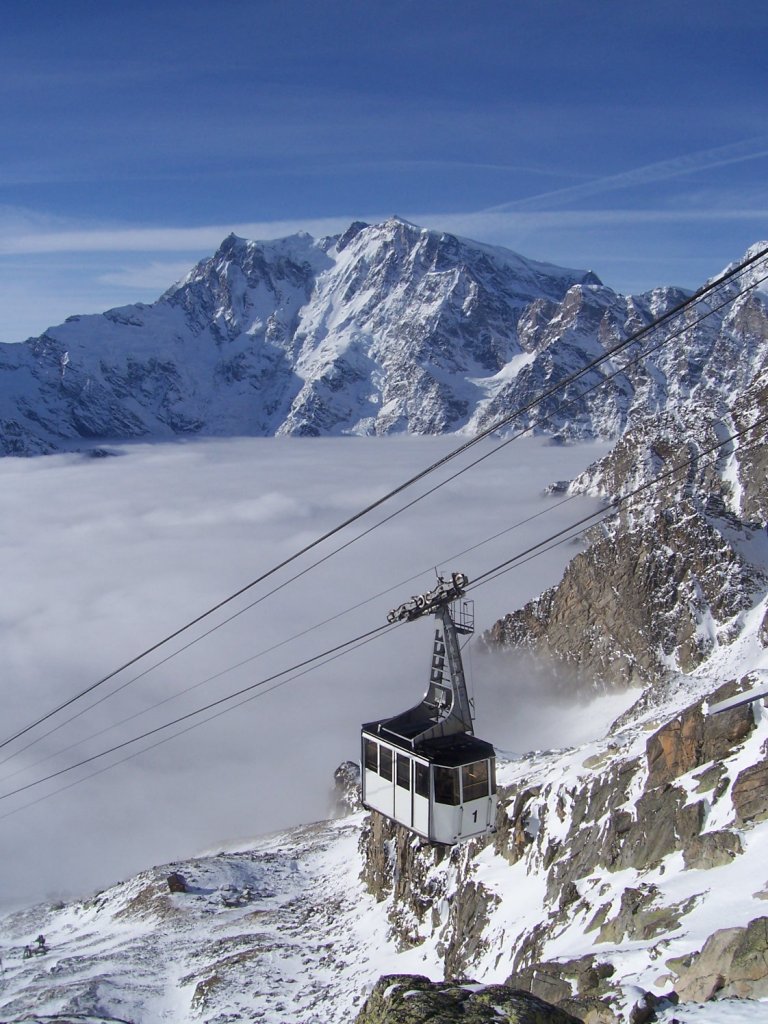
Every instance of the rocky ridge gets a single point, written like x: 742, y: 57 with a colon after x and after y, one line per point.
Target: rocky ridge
x: 624, y: 882
x: 669, y: 579
x: 669, y: 594
x: 625, y: 878
x: 386, y: 328
x: 612, y: 872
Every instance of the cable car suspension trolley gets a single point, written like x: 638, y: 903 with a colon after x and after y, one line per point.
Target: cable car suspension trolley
x: 424, y: 768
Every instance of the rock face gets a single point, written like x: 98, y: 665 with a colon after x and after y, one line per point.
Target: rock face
x: 665, y: 581
x: 387, y: 328
x: 413, y: 999
x: 692, y: 739
x: 346, y: 788
x: 631, y: 812
x: 750, y: 793
x: 636, y: 600
x: 733, y: 962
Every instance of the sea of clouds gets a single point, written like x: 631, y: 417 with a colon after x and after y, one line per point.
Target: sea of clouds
x: 104, y: 557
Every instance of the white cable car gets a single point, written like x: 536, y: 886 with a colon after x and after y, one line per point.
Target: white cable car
x: 425, y: 768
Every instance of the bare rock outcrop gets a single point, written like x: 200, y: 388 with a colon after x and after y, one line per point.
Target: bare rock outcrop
x: 414, y: 999
x: 346, y: 789
x: 750, y: 793
x: 694, y: 738
x: 732, y: 962
x: 653, y: 591
x: 586, y: 987
x: 399, y: 866
x: 712, y: 850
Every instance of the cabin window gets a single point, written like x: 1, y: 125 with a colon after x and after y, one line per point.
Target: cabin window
x: 371, y: 755
x: 385, y: 763
x: 403, y: 771
x: 446, y: 786
x: 421, y: 779
x: 474, y: 780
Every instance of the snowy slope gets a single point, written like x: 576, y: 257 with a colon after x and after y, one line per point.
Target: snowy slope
x: 376, y: 330
x: 387, y: 328
x: 284, y: 930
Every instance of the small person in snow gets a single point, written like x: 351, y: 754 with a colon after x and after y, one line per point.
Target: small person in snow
x: 27, y: 953
x: 41, y: 946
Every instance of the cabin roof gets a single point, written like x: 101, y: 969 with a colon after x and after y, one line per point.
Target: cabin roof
x: 455, y: 749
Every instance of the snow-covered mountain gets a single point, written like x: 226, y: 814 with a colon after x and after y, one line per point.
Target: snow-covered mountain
x: 385, y: 328
x: 625, y: 881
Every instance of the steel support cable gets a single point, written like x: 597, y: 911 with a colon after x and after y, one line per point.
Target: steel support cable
x: 193, y: 725
x: 617, y: 371
x: 514, y: 437
x: 561, y: 536
x: 348, y: 644
x: 246, y: 661
x: 454, y: 453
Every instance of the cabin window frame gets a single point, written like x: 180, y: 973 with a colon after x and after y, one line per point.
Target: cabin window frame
x: 474, y: 781
x: 447, y: 789
x: 421, y: 779
x: 371, y: 763
x: 403, y: 771
x: 385, y: 762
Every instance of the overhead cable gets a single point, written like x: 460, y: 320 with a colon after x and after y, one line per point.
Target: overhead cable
x: 567, y: 533
x: 454, y: 453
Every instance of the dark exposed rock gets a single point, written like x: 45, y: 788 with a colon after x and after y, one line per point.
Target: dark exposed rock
x: 592, y: 1010
x: 665, y: 823
x: 377, y: 841
x: 750, y: 793
x: 544, y: 980
x: 582, y: 977
x: 584, y: 987
x: 641, y: 917
x: 397, y: 863
x: 732, y: 962
x: 710, y: 779
x: 632, y: 600
x: 177, y: 882
x: 752, y: 458
x: 662, y: 822
x: 693, y: 739
x: 763, y: 631
x: 346, y: 788
x: 511, y: 838
x: 467, y: 918
x: 712, y: 850
x: 413, y: 999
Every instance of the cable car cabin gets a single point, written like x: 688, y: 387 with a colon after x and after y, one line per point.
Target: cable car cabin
x: 425, y: 768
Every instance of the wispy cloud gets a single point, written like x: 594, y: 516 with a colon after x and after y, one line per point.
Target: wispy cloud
x: 154, y: 239
x: 662, y: 170
x: 24, y: 240
x: 157, y: 274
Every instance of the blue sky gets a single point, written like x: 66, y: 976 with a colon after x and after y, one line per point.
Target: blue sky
x: 628, y: 138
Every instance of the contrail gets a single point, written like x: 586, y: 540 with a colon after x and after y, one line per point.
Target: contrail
x: 737, y: 152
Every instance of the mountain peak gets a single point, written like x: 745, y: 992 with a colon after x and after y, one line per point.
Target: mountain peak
x: 230, y: 244
x: 351, y: 233
x: 386, y: 328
